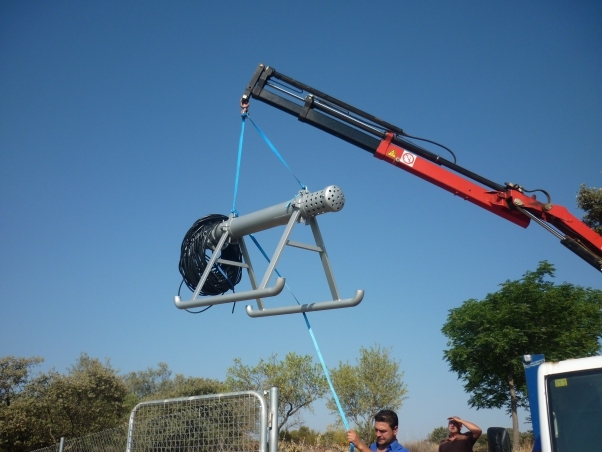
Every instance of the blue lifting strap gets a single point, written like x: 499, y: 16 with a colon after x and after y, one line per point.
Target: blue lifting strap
x: 240, y: 141
x: 235, y: 213
x: 275, y: 151
x: 316, y: 346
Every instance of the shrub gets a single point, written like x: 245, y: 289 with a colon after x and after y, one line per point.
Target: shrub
x: 437, y: 435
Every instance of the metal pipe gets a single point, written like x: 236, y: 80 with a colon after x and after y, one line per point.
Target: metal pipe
x: 273, y: 419
x: 231, y: 297
x: 308, y: 307
x: 331, y: 199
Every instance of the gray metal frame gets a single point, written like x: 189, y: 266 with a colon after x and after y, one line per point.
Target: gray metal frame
x: 304, y: 208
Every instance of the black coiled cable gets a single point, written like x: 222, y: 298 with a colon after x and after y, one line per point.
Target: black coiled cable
x: 196, y: 252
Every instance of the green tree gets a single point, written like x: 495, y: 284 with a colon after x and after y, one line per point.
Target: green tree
x: 304, y: 435
x: 150, y: 381
x: 17, y: 412
x: 182, y: 386
x: 373, y: 384
x: 36, y: 411
x: 437, y: 435
x: 487, y: 338
x: 178, y: 426
x: 334, y: 435
x: 153, y: 384
x: 88, y: 399
x: 299, y: 380
x: 590, y: 201
x: 14, y: 374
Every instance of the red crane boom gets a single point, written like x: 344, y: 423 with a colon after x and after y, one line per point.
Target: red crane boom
x: 389, y: 143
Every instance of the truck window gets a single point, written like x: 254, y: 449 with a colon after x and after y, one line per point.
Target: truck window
x: 575, y: 410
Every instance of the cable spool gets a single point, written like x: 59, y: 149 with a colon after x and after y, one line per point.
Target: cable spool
x: 196, y: 251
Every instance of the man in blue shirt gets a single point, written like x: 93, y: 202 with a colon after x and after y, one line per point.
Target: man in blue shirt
x: 385, y: 428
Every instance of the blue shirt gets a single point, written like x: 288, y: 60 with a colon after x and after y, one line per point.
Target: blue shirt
x: 393, y: 447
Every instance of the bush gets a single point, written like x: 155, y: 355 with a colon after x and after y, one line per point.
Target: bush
x: 437, y: 435
x: 304, y: 435
x: 334, y: 436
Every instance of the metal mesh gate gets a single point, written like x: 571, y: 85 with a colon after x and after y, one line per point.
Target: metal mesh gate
x: 232, y: 422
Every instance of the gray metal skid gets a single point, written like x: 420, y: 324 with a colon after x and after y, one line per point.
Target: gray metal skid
x: 303, y: 208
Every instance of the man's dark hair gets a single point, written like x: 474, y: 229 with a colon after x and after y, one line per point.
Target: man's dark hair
x: 388, y: 416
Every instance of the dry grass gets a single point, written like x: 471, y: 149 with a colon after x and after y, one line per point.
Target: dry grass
x: 427, y: 446
x: 527, y: 447
x: 421, y: 446
x: 285, y: 446
x: 414, y: 446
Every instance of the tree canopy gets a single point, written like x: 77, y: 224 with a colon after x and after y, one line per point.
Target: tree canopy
x: 590, y: 201
x: 299, y: 379
x: 37, y: 409
x: 437, y: 435
x: 150, y: 381
x: 373, y: 384
x: 89, y: 398
x: 487, y: 338
x: 14, y: 374
x: 152, y: 384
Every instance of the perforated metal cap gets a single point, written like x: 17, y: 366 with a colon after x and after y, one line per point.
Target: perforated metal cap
x: 331, y: 199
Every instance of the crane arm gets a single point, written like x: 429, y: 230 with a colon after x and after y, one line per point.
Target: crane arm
x: 389, y: 143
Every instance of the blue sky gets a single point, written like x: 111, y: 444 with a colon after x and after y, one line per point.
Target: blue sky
x: 119, y: 127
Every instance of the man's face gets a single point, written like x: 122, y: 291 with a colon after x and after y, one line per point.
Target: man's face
x: 384, y: 433
x: 453, y: 427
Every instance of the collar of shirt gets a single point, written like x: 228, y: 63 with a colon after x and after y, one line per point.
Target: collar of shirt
x: 391, y: 447
x: 449, y: 439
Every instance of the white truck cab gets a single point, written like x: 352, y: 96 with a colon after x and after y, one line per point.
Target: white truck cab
x: 569, y: 404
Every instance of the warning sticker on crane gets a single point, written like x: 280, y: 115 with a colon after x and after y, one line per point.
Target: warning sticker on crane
x: 407, y: 158
x: 391, y: 154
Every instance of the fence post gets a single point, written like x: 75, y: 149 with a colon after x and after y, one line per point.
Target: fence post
x: 273, y: 419
x: 62, y: 444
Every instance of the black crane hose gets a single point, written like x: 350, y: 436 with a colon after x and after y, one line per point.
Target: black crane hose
x: 196, y: 252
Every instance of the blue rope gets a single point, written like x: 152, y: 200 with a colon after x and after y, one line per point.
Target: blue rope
x: 317, y: 347
x: 336, y: 398
x: 269, y: 143
x: 240, y: 141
